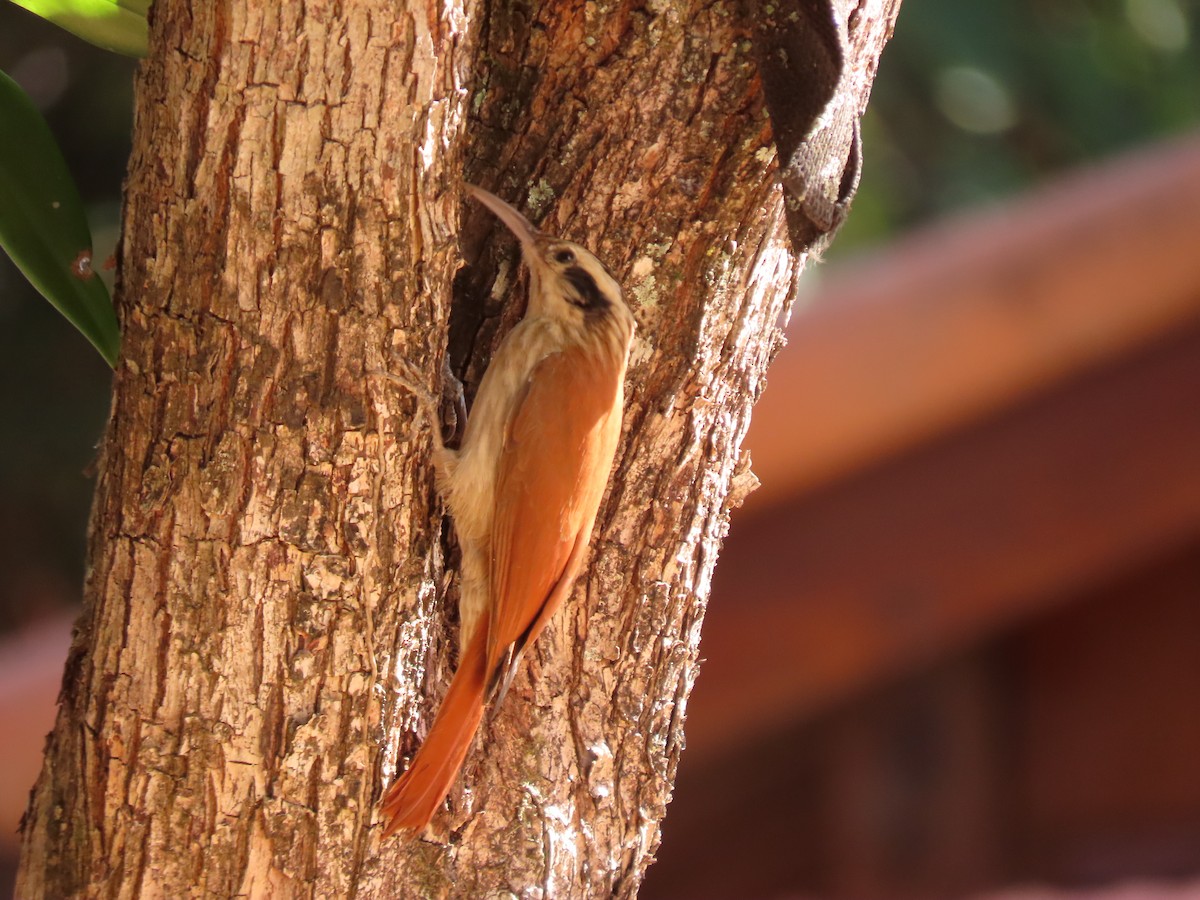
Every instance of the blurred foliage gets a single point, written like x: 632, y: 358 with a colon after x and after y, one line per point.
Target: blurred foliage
x: 974, y: 101
x: 54, y: 389
x: 43, y: 227
x: 118, y: 25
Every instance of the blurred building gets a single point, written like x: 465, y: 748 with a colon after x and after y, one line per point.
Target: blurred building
x: 954, y: 643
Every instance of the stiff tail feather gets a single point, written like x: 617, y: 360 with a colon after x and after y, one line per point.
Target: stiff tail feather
x: 416, y: 795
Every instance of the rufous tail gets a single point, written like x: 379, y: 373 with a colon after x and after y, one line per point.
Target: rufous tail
x: 416, y: 795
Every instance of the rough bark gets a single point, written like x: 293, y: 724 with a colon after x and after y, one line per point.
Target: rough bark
x: 269, y: 613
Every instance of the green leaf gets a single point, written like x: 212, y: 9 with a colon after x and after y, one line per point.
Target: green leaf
x: 118, y: 25
x: 42, y: 225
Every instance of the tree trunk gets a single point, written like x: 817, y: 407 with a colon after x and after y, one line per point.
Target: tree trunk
x: 269, y: 615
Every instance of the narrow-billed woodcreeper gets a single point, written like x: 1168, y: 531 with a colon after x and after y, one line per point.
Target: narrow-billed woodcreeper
x: 523, y: 488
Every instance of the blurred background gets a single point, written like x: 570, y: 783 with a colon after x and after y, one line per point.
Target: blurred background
x: 953, y: 645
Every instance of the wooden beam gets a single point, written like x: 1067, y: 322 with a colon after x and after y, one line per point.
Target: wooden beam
x: 960, y: 319
x: 815, y: 600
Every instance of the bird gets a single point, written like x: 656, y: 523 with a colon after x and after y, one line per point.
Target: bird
x: 522, y: 489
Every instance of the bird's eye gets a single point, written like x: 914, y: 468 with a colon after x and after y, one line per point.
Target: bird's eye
x: 564, y: 256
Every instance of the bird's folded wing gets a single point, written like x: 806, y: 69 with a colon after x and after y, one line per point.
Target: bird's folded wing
x: 552, y: 473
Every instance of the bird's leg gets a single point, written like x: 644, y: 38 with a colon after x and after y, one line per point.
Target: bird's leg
x: 452, y: 389
x: 430, y: 407
x: 427, y: 404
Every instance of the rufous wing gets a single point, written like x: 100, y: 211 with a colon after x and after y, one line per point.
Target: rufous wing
x: 552, y: 473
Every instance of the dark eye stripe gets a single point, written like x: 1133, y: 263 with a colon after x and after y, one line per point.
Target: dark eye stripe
x: 589, y: 295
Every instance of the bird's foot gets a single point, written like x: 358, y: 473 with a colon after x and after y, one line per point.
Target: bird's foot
x: 429, y: 404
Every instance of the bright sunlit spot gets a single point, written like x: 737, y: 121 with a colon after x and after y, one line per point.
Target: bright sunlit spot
x: 1160, y: 23
x: 974, y: 100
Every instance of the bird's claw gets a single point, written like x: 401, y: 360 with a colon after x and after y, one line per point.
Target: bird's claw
x: 411, y: 382
x: 429, y: 404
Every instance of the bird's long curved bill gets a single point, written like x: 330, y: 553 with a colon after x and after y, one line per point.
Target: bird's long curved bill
x: 516, y: 222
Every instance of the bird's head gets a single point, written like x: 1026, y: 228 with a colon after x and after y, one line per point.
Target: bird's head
x: 565, y: 279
